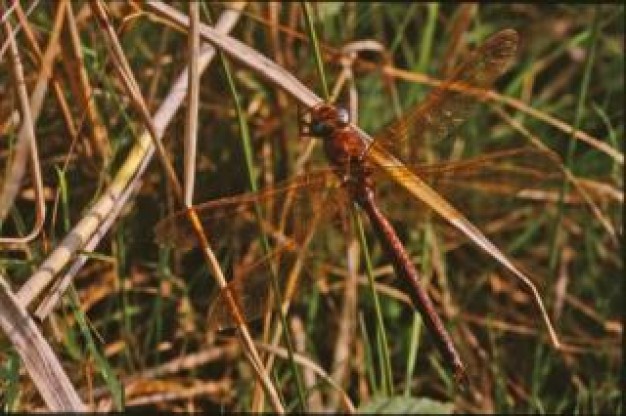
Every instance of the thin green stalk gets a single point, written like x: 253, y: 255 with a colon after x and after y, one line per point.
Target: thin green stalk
x: 525, y: 236
x: 427, y: 37
x: 155, y: 327
x: 308, y: 18
x: 124, y: 295
x: 569, y: 159
x: 247, y: 150
x: 385, y: 363
x: 425, y: 51
x: 369, y: 365
x: 10, y: 374
x: 19, y: 222
x: 416, y: 332
x: 383, y: 350
x: 382, y: 343
x: 612, y: 136
x: 408, y: 18
x: 417, y: 319
x: 63, y: 189
x: 107, y: 373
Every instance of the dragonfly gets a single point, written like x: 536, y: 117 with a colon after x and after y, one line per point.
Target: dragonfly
x: 355, y: 168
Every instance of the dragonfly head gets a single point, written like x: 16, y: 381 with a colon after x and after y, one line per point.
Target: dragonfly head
x: 324, y: 119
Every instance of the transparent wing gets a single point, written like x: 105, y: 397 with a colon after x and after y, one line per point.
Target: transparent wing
x: 291, y: 213
x: 236, y: 216
x: 485, y: 188
x: 446, y: 107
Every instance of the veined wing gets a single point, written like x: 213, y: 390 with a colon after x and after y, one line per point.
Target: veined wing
x: 480, y: 187
x: 225, y: 217
x: 250, y: 288
x: 447, y: 106
x: 291, y: 215
x: 235, y: 215
x: 232, y: 217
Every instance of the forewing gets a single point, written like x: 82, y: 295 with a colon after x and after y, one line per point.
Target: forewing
x: 236, y: 216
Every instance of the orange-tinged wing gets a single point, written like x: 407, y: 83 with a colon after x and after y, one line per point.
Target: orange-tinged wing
x: 290, y: 217
x: 446, y: 107
x: 232, y: 216
x: 481, y: 188
x: 225, y: 217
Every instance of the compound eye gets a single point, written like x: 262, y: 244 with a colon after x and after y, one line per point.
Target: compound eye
x: 320, y: 128
x: 343, y: 117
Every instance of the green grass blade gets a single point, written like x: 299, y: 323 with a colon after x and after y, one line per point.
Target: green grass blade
x: 247, y: 150
x: 383, y: 350
x: 308, y: 18
x: 109, y: 377
x: 571, y: 149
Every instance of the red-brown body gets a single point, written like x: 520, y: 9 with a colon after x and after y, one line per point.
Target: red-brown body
x: 341, y: 144
x: 346, y: 152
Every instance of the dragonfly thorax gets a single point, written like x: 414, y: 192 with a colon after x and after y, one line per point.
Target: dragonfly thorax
x: 342, y: 143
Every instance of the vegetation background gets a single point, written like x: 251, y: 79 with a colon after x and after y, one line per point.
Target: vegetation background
x: 131, y: 331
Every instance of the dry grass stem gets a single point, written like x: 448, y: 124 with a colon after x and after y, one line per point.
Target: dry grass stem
x: 191, y: 127
x: 306, y: 362
x: 98, y: 136
x: 26, y: 136
x: 89, y: 229
x: 40, y: 361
